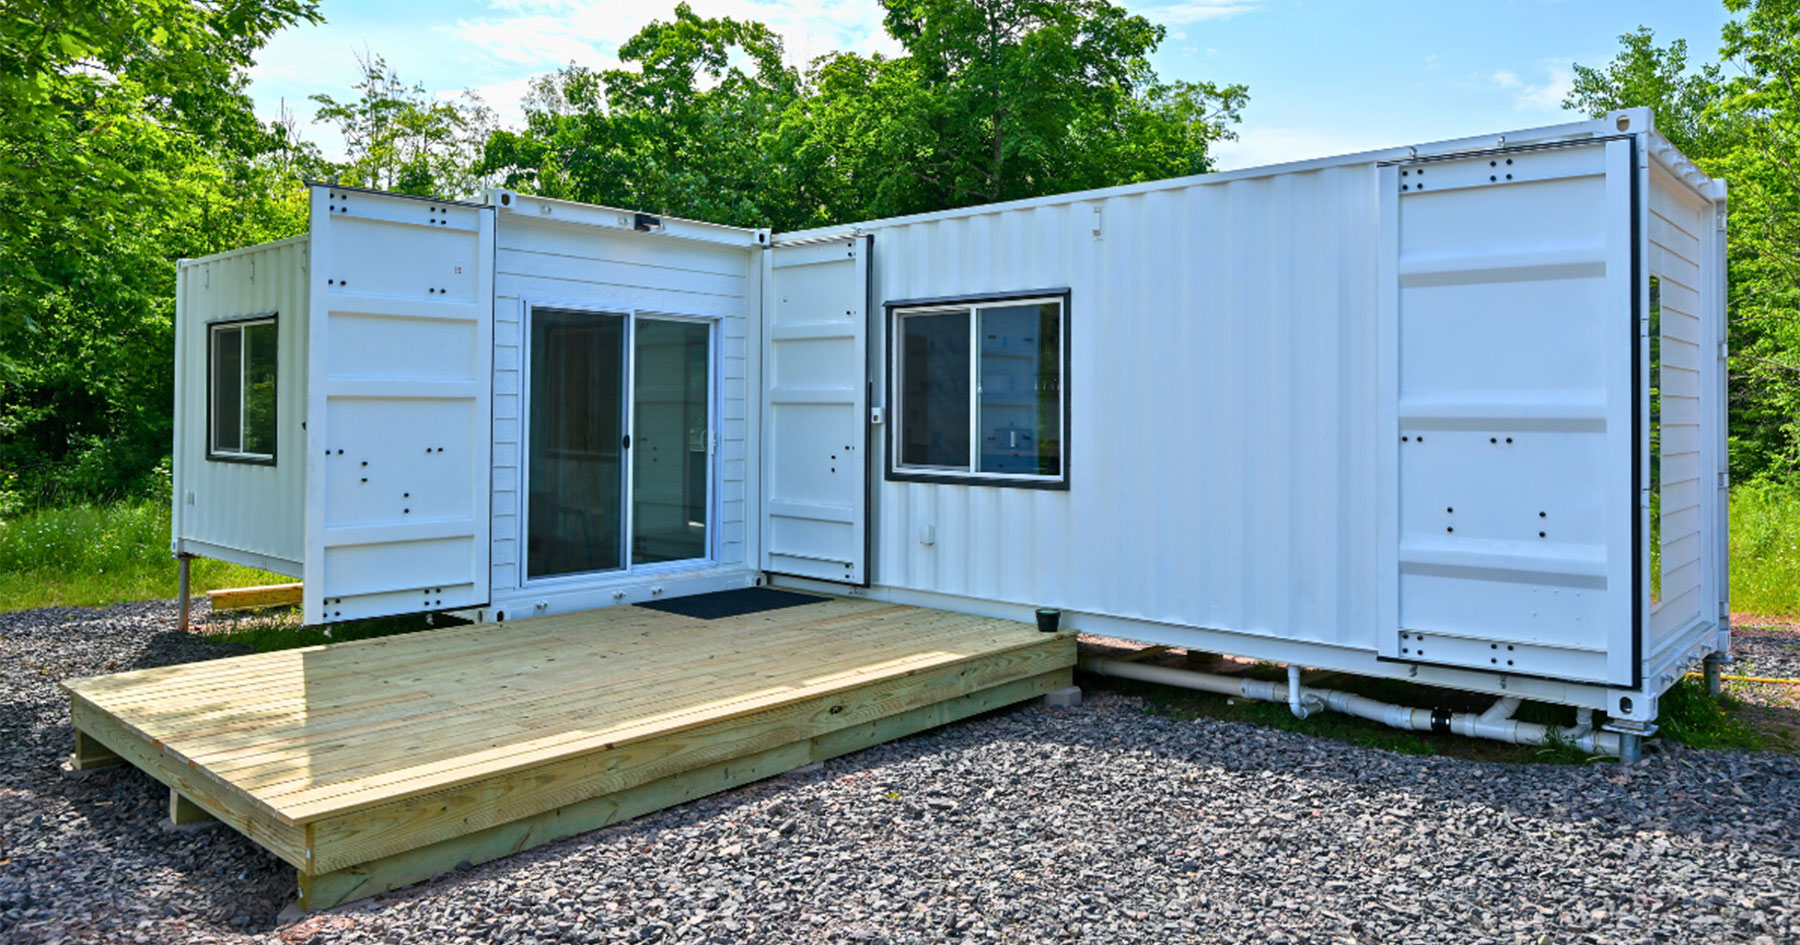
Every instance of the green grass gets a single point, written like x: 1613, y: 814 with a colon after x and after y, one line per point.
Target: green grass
x: 1765, y: 549
x: 281, y: 630
x: 1689, y: 716
x: 93, y: 555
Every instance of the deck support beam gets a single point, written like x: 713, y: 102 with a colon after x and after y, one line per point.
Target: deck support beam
x: 186, y: 813
x: 90, y: 754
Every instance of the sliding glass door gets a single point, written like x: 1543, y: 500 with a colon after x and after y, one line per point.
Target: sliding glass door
x: 670, y: 491
x: 616, y: 482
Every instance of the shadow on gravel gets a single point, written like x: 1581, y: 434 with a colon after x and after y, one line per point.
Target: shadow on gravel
x: 1717, y: 796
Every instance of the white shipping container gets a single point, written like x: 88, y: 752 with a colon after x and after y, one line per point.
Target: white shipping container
x: 1389, y: 413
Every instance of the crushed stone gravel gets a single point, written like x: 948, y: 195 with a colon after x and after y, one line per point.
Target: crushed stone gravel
x: 1103, y: 823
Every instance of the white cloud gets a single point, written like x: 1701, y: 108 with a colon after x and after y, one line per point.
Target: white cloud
x: 1543, y: 96
x: 1195, y: 11
x: 1257, y: 146
x: 546, y: 34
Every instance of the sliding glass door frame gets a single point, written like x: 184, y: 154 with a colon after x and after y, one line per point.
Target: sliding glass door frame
x: 628, y: 502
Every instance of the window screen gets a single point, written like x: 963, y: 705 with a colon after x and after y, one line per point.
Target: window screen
x: 978, y: 392
x: 1656, y: 476
x: 243, y: 357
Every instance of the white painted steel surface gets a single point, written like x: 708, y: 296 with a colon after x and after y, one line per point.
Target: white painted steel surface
x: 815, y: 410
x: 560, y: 255
x: 398, y: 405
x: 249, y: 513
x: 1222, y: 431
x: 1506, y: 334
x: 1227, y: 479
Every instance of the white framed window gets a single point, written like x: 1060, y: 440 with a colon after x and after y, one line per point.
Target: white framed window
x: 242, y: 358
x: 978, y: 390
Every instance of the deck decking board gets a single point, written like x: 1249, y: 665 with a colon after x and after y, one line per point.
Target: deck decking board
x: 263, y: 729
x: 226, y: 682
x: 551, y: 747
x: 372, y: 763
x: 257, y: 738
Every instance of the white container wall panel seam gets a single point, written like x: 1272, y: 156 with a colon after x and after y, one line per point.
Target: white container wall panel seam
x: 250, y: 512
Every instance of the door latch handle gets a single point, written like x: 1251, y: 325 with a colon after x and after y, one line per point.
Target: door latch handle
x: 626, y: 442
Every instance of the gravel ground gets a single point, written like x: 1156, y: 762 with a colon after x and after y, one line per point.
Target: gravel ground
x: 1099, y: 824
x: 1764, y: 648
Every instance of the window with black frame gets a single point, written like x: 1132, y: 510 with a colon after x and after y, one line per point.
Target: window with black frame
x: 242, y: 368
x: 978, y: 391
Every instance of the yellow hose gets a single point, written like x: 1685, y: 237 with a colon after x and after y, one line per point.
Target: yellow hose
x: 1763, y: 679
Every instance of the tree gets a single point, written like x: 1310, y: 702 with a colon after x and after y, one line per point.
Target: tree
x: 402, y: 139
x: 994, y: 99
x: 1033, y: 96
x: 675, y: 130
x: 1685, y: 99
x: 126, y: 141
x: 1745, y: 130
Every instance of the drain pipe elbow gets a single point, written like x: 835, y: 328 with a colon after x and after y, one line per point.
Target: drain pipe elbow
x: 1296, y: 697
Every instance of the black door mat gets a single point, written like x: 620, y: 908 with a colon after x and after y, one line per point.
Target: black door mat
x: 747, y: 600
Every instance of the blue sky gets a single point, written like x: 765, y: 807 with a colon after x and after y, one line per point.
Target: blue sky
x: 1325, y: 76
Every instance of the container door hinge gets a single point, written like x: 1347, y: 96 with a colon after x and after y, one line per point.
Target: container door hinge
x: 1724, y: 479
x: 1719, y: 219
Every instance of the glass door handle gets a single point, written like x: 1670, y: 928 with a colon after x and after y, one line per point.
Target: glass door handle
x: 626, y: 442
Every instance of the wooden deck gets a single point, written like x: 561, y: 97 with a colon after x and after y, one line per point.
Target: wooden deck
x: 372, y: 764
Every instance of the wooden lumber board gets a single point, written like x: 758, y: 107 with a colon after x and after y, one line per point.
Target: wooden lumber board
x: 323, y: 890
x: 183, y: 811
x: 254, y: 598
x: 592, y: 713
x: 244, y: 813
x: 307, y: 697
x: 853, y: 634
x: 90, y: 754
x: 623, y: 628
x: 323, y: 674
x: 596, y: 717
x: 387, y: 817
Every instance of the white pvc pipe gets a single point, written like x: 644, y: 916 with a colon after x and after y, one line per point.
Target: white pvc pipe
x: 1496, y: 723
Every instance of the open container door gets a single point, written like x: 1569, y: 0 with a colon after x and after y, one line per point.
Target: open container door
x: 815, y: 408
x: 398, y: 405
x: 1508, y: 331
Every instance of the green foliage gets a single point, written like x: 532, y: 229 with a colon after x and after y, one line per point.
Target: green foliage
x: 1692, y: 717
x: 675, y: 130
x: 128, y: 143
x: 1745, y: 129
x: 404, y: 140
x: 994, y: 100
x: 1765, y: 548
x: 93, y: 555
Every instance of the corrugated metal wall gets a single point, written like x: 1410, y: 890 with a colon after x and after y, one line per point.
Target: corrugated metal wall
x: 256, y: 510
x: 1223, y: 386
